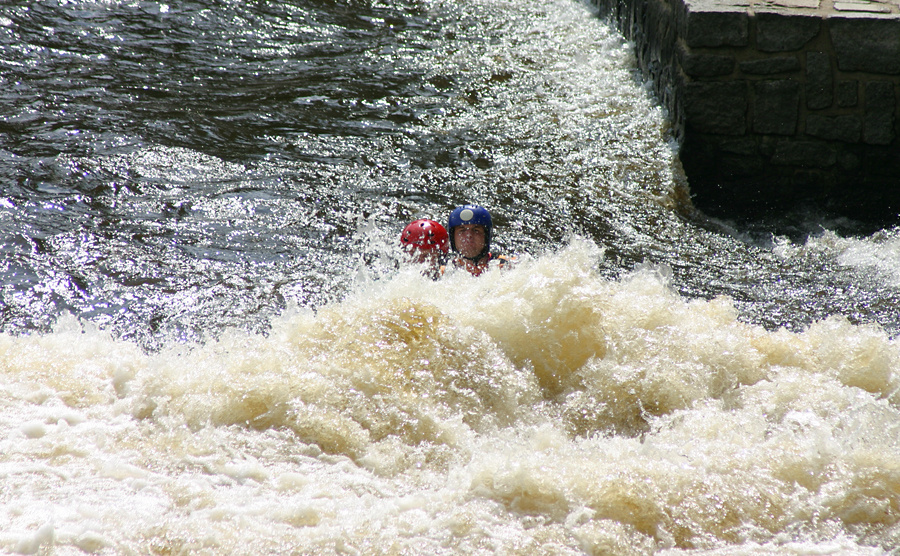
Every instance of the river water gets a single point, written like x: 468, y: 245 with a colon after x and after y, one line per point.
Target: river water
x: 209, y: 345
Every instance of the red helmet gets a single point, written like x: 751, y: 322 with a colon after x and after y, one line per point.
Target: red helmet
x: 425, y: 235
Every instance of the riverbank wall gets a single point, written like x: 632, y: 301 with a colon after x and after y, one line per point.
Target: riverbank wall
x: 776, y: 104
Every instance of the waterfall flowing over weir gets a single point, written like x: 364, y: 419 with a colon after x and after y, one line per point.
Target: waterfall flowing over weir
x: 209, y: 344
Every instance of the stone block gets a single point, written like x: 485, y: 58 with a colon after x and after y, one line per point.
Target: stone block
x: 660, y: 20
x: 703, y: 65
x: 848, y: 161
x: 863, y: 7
x: 771, y: 65
x: 819, y: 81
x: 665, y: 34
x: 846, y: 127
x: 776, y: 32
x: 716, y: 107
x: 867, y: 45
x: 848, y: 93
x: 806, y: 154
x: 776, y: 105
x: 767, y: 145
x: 746, y: 146
x: 880, y: 106
x: 715, y: 29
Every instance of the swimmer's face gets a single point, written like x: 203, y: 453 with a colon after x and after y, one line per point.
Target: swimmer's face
x: 469, y: 239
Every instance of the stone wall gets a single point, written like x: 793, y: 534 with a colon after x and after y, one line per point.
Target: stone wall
x: 777, y: 104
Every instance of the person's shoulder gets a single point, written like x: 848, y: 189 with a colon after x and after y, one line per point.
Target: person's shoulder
x: 502, y: 260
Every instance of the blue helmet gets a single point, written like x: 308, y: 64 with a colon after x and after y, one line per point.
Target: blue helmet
x: 471, y: 214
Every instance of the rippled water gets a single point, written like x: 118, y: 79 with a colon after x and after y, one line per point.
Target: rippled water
x: 205, y: 320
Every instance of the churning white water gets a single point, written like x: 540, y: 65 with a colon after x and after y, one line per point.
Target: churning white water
x: 543, y: 410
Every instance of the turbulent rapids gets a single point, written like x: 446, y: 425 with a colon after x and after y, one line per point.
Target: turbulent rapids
x: 208, y: 343
x: 564, y: 413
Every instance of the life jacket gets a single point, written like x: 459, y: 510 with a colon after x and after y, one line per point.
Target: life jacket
x: 488, y: 261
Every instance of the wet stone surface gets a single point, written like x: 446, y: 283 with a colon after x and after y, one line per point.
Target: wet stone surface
x: 806, y: 83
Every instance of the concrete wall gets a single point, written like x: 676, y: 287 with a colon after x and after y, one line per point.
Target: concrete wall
x: 777, y: 103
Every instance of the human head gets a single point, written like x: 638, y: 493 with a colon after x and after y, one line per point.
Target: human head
x: 424, y: 236
x: 471, y: 214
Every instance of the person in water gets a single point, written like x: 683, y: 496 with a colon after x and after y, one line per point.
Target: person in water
x: 426, y: 242
x: 471, y: 230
